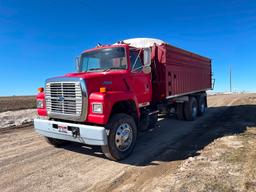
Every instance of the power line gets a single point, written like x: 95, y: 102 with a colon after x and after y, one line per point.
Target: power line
x: 230, y: 78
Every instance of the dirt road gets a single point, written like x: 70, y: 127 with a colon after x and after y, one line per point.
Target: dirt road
x: 28, y: 163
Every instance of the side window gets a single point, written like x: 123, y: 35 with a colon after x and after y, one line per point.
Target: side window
x: 135, y: 61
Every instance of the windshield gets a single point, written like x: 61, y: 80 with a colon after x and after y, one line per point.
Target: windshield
x: 103, y: 59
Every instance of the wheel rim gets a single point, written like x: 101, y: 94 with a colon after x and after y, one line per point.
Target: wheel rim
x: 123, y: 137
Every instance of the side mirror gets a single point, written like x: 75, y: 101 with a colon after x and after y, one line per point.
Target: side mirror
x: 147, y: 57
x: 77, y: 63
x: 146, y: 69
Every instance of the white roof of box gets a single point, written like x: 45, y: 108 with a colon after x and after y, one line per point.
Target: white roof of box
x: 143, y: 42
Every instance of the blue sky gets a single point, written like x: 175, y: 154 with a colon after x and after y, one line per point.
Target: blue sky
x: 40, y: 38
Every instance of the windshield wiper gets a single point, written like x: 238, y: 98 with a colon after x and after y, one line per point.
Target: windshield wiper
x: 95, y: 69
x: 108, y: 69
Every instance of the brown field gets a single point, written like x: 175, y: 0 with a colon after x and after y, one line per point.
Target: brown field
x: 214, y: 153
x: 17, y: 102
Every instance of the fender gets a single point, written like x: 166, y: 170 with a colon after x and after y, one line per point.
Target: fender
x: 108, y: 99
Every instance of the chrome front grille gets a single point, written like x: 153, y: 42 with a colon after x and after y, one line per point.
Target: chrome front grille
x: 64, y: 98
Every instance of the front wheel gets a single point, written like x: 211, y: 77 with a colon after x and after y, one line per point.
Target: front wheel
x: 122, y: 137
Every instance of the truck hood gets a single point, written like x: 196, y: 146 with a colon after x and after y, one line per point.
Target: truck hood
x: 92, y: 75
x: 113, y: 80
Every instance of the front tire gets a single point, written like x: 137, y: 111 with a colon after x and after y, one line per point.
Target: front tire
x: 122, y: 137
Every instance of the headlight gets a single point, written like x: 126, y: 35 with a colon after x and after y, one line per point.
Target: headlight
x: 40, y: 104
x: 97, y: 108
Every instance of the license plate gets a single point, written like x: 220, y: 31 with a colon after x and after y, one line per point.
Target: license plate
x: 62, y: 128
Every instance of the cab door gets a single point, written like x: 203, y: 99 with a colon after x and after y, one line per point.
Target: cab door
x: 142, y: 85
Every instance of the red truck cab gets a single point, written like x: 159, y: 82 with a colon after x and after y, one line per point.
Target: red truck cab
x: 116, y: 91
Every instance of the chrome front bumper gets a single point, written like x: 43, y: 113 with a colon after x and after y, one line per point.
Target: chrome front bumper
x: 91, y: 135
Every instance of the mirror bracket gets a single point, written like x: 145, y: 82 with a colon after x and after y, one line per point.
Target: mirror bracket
x: 77, y: 63
x: 147, y: 56
x: 146, y: 69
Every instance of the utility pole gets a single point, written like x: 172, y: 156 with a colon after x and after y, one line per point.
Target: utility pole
x: 230, y: 79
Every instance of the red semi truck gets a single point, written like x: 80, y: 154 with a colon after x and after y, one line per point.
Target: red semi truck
x: 119, y: 90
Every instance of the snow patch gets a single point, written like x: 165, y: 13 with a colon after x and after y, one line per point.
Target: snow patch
x: 16, y: 118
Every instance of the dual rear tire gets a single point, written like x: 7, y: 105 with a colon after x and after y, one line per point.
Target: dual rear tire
x: 189, y: 110
x: 202, y: 105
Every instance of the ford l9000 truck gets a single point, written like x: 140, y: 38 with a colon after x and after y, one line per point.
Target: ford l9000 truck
x: 118, y: 90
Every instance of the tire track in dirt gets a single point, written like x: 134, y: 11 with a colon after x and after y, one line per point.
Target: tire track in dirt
x: 141, y: 179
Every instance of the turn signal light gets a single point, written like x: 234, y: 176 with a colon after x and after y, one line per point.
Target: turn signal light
x: 103, y: 90
x: 40, y: 89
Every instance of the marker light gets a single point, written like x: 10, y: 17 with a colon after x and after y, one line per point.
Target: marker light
x: 40, y: 89
x: 103, y: 90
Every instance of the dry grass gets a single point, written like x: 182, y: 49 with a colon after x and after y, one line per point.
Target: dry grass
x: 17, y: 103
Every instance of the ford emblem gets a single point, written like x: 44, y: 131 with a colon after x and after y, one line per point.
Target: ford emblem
x: 61, y: 98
